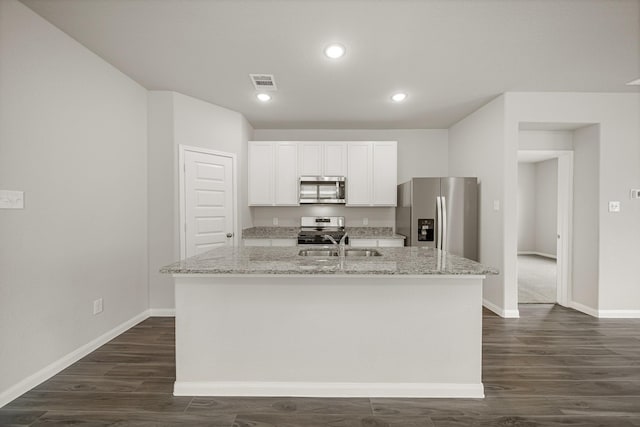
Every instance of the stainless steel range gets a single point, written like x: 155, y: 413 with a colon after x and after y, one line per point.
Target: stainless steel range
x: 314, y: 230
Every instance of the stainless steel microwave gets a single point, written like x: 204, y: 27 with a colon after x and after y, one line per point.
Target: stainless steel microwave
x: 322, y: 189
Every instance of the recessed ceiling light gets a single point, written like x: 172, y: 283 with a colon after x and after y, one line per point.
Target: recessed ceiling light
x: 264, y: 97
x: 335, y: 51
x: 398, y: 97
x: 634, y: 83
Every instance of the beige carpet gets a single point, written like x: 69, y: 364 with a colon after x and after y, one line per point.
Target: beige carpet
x: 536, y: 279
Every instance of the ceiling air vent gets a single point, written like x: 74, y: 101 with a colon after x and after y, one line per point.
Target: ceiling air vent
x: 263, y: 81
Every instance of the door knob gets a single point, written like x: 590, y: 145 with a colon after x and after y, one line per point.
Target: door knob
x: 229, y: 235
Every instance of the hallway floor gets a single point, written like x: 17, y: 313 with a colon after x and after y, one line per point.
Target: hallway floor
x: 536, y: 279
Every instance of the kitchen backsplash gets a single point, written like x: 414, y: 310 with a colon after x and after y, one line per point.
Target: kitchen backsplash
x: 289, y: 216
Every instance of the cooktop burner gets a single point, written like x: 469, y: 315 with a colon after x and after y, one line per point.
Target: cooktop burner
x: 315, y: 229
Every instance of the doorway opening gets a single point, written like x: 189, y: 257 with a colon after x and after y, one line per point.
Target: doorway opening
x: 537, y: 227
x: 545, y: 210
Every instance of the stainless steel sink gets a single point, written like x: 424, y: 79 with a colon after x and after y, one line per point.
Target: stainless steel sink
x: 318, y: 252
x: 333, y: 252
x: 362, y: 252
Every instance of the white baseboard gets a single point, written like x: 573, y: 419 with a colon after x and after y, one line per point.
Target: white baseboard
x: 507, y: 314
x: 64, y: 362
x: 619, y: 314
x: 583, y: 308
x: 542, y: 254
x: 605, y: 314
x: 162, y: 312
x: 306, y: 389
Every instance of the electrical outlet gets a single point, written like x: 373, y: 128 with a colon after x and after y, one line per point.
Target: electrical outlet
x: 275, y: 220
x: 11, y: 199
x: 614, y: 206
x: 97, y: 306
x: 365, y: 221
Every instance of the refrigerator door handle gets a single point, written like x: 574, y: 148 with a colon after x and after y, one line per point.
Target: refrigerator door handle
x: 444, y: 223
x: 439, y: 220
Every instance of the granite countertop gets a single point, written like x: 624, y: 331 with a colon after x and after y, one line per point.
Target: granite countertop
x: 373, y: 233
x: 285, y: 260
x: 292, y: 233
x: 270, y: 233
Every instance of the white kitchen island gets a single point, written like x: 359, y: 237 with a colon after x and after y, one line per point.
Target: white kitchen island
x: 268, y: 322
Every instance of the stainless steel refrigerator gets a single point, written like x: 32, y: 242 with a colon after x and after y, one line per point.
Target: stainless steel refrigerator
x: 440, y: 213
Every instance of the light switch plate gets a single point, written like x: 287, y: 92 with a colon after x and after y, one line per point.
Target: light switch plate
x: 614, y: 206
x: 11, y: 199
x: 97, y: 306
x: 496, y: 205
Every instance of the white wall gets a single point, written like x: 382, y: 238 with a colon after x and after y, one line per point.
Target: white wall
x: 545, y: 140
x: 289, y: 216
x: 538, y: 207
x: 73, y: 137
x: 546, y: 225
x: 476, y: 149
x: 526, y: 207
x: 586, y: 217
x: 201, y: 124
x: 176, y: 119
x: 164, y: 241
x: 490, y: 137
x: 619, y: 155
x: 421, y: 152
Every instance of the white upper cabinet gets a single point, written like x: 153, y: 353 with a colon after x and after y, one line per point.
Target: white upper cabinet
x: 310, y: 158
x: 385, y: 173
x: 335, y: 159
x: 273, y: 173
x: 261, y: 173
x: 322, y: 158
x: 286, y: 174
x: 372, y: 173
x: 275, y: 168
x: 359, y: 161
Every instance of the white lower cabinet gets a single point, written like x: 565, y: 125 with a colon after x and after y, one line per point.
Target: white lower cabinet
x: 356, y: 243
x: 381, y: 243
x: 270, y: 242
x: 284, y: 242
x: 390, y: 243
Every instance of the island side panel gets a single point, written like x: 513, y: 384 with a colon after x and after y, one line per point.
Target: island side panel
x: 329, y: 336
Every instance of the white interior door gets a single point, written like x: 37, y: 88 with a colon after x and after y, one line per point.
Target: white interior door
x: 208, y: 201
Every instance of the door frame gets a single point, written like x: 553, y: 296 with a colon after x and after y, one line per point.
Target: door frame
x: 564, y: 242
x: 181, y: 192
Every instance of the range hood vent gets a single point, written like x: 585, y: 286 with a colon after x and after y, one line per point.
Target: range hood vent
x: 263, y: 82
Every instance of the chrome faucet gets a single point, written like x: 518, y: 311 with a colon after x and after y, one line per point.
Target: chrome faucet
x: 341, y: 245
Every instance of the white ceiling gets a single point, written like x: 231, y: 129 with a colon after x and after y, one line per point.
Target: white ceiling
x: 450, y: 56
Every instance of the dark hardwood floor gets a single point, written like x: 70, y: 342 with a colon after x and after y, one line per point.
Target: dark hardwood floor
x: 551, y: 367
